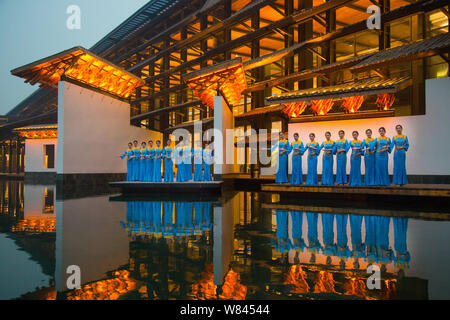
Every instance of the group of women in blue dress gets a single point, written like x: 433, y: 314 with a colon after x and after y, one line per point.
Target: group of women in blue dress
x: 375, y: 152
x: 156, y: 163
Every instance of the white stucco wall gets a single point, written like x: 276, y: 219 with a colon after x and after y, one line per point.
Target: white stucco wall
x: 223, y: 120
x: 93, y: 130
x: 34, y: 155
x: 427, y: 134
x: 33, y: 200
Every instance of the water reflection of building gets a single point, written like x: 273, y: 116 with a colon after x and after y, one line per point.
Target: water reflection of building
x: 337, y: 261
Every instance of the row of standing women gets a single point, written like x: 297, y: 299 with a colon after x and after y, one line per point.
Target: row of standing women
x: 375, y: 152
x: 146, y: 163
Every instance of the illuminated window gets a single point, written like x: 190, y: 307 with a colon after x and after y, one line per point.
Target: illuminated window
x: 49, y: 204
x: 49, y: 156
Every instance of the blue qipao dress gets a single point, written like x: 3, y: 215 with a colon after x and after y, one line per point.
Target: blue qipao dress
x: 355, y: 179
x: 298, y: 150
x: 168, y: 164
x: 313, y: 153
x: 400, y: 145
x: 369, y: 161
x: 329, y: 149
x: 198, y: 164
x: 157, y: 165
x: 341, y: 161
x: 283, y: 151
x: 383, y: 148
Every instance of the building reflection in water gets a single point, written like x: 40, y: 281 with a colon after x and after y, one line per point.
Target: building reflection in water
x: 238, y: 247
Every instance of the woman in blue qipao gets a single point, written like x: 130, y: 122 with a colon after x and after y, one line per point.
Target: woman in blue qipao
x: 357, y: 146
x: 136, y: 156
x: 179, y: 160
x: 313, y: 152
x: 188, y: 155
x: 297, y: 150
x: 207, y: 160
x: 150, y: 161
x: 383, y: 147
x: 329, y: 149
x: 198, y: 162
x: 168, y: 162
x: 400, y: 144
x: 142, y: 161
x: 369, y: 159
x: 342, y: 147
x: 157, y: 164
x: 283, y: 150
x: 129, y: 154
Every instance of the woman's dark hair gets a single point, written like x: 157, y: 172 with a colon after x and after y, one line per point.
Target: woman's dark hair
x: 355, y: 132
x: 312, y: 134
x: 341, y: 131
x: 369, y: 130
x: 296, y: 134
x: 135, y: 141
x: 399, y: 125
x: 130, y: 143
x: 328, y: 133
x: 382, y: 128
x: 143, y: 142
x: 158, y: 141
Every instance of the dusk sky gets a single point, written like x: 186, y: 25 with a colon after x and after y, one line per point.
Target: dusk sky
x: 34, y: 29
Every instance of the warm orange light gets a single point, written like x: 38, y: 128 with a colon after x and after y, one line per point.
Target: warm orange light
x: 352, y: 104
x: 41, y: 225
x: 385, y: 101
x: 232, y: 288
x: 324, y: 282
x: 110, y: 289
x: 229, y: 81
x: 321, y: 107
x: 84, y: 66
x: 204, y: 289
x: 297, y: 277
x: 295, y: 109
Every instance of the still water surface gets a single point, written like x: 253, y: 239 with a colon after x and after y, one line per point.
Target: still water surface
x: 244, y: 245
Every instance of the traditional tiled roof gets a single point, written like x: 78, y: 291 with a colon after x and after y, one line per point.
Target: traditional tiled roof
x: 358, y: 88
x: 263, y: 111
x: 420, y: 49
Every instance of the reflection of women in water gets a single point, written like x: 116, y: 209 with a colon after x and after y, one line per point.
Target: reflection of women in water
x: 297, y: 224
x: 206, y: 221
x: 180, y: 220
x: 402, y: 256
x: 168, y: 229
x: 313, y: 152
x: 356, y: 238
x: 156, y: 217
x: 329, y: 248
x: 188, y: 222
x: 341, y: 238
x: 313, y: 241
x: 298, y: 150
x: 129, y: 154
x: 283, y: 244
x: 329, y: 149
x: 384, y: 252
x: 147, y: 218
x: 400, y: 144
x: 198, y: 216
x: 168, y: 163
x: 370, y: 240
x: 383, y: 146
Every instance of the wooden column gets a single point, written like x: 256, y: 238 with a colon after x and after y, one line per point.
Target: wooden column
x: 305, y: 57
